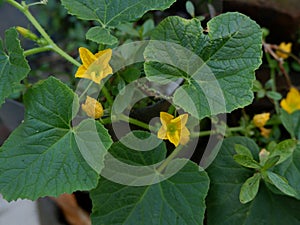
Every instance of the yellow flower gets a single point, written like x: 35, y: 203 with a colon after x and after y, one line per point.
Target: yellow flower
x: 92, y: 108
x: 265, y: 132
x: 94, y: 67
x: 284, y: 47
x: 260, y: 120
x: 292, y: 101
x: 174, y: 129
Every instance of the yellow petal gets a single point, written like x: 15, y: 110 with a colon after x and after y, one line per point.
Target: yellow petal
x: 162, y: 133
x: 286, y: 106
x: 86, y: 56
x: 81, y: 72
x: 292, y: 101
x: 286, y: 47
x: 265, y: 132
x: 174, y: 138
x: 184, y: 136
x: 180, y: 121
x: 260, y: 120
x: 165, y: 118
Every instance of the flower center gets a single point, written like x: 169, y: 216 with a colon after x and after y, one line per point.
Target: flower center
x: 172, y: 128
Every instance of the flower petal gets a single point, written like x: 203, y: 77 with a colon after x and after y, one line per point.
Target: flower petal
x: 174, y: 137
x: 81, y: 72
x: 165, y: 118
x: 162, y: 133
x: 86, y: 56
x: 184, y: 136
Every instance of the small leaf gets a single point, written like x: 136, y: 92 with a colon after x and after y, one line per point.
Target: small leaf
x: 242, y: 150
x: 250, y: 188
x: 271, y: 161
x: 148, y: 26
x: 281, y: 184
x: 13, y: 64
x: 290, y: 169
x: 284, y: 149
x: 274, y: 95
x: 291, y: 122
x: 246, y: 161
x: 190, y: 8
x: 101, y: 36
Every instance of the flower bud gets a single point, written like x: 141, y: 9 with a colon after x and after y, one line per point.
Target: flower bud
x: 27, y: 33
x: 92, y: 108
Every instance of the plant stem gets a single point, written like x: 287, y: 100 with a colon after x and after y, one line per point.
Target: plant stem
x: 107, y: 95
x: 273, y: 78
x: 210, y: 132
x: 85, y: 90
x: 169, y: 159
x: 24, y: 9
x: 37, y: 50
x: 133, y: 121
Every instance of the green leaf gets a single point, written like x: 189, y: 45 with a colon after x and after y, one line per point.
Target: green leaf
x: 290, y: 169
x: 281, y: 184
x: 92, y: 140
x: 270, y: 162
x: 42, y: 157
x: 242, y: 150
x: 227, y: 177
x: 101, y: 36
x: 177, y: 199
x: 110, y: 13
x: 246, y: 161
x: 274, y: 95
x: 13, y: 64
x: 291, y: 122
x: 218, y: 67
x: 250, y: 188
x: 284, y: 149
x: 190, y: 8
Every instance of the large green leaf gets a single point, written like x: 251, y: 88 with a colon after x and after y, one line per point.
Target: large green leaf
x: 180, y: 199
x: 110, y: 13
x: 113, y: 12
x: 290, y: 169
x: 13, y: 65
x: 227, y: 177
x: 43, y: 155
x: 218, y: 67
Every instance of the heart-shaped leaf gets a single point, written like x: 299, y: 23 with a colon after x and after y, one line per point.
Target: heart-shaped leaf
x: 110, y: 13
x: 217, y: 64
x: 180, y: 199
x: 45, y: 155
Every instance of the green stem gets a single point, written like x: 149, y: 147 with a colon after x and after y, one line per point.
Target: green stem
x: 210, y: 132
x: 107, y: 95
x: 24, y: 9
x: 169, y: 159
x: 136, y: 122
x: 85, y: 90
x: 106, y: 120
x: 273, y: 78
x: 37, y: 50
